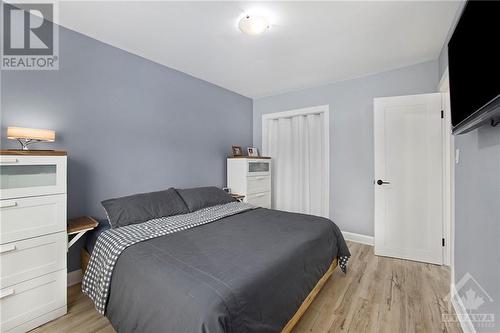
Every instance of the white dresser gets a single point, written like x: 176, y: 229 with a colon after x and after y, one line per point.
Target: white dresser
x: 250, y: 177
x: 33, y: 239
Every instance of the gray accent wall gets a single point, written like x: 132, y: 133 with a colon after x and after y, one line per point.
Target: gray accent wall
x: 351, y: 134
x: 477, y: 208
x: 129, y: 125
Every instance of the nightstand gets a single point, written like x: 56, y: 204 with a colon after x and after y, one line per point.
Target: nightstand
x: 79, y: 226
x: 251, y: 177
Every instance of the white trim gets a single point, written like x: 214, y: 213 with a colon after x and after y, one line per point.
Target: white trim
x: 448, y: 171
x: 320, y: 109
x: 74, y: 277
x: 359, y: 238
x: 296, y: 112
x: 449, y: 174
x: 459, y: 308
x: 443, y: 85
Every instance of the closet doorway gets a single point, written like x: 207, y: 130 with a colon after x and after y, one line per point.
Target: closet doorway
x: 298, y: 141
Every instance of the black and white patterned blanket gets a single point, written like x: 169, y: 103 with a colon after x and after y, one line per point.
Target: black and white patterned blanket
x: 113, y: 242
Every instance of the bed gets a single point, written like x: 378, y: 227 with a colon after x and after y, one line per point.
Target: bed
x: 245, y: 269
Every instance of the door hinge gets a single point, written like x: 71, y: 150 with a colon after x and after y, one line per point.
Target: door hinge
x: 443, y: 242
x: 442, y: 114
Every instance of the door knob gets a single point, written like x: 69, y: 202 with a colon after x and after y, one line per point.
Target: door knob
x: 381, y: 182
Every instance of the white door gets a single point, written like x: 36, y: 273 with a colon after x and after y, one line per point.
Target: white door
x: 409, y: 177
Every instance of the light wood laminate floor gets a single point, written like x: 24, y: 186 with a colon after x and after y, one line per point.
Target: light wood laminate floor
x: 378, y: 294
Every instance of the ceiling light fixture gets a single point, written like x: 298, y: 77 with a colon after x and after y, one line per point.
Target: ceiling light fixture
x: 253, y: 25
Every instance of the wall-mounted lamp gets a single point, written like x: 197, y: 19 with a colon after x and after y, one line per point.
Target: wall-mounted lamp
x: 28, y: 136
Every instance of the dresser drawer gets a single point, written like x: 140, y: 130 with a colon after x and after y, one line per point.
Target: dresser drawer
x: 30, y: 258
x: 27, y: 176
x: 28, y: 300
x: 260, y: 199
x: 31, y: 217
x: 258, y: 184
x: 258, y: 167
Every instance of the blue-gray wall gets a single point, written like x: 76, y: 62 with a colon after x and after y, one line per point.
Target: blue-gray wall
x: 351, y: 134
x: 477, y: 208
x: 477, y: 214
x: 129, y: 125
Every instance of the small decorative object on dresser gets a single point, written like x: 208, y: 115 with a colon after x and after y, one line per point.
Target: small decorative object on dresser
x: 28, y: 136
x: 237, y: 151
x: 252, y: 152
x: 251, y: 178
x: 33, y: 239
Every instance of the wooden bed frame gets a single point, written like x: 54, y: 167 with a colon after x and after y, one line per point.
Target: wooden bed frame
x: 296, y: 317
x: 309, y: 299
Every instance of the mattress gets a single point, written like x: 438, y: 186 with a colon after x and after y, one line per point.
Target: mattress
x: 248, y: 272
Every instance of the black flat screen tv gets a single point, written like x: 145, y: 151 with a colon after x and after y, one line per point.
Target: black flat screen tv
x: 474, y: 67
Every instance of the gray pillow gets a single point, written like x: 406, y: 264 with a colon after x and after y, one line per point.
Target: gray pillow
x: 143, y: 207
x: 202, y: 197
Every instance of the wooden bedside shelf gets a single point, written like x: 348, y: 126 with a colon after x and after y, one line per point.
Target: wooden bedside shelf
x: 238, y: 197
x: 79, y: 226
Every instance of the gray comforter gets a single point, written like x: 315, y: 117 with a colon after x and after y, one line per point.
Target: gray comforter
x: 248, y: 272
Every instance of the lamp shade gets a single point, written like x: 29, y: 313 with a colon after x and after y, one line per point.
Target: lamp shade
x: 30, y: 134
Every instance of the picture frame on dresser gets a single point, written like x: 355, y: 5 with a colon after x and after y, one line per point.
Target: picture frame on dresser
x: 33, y: 238
x: 252, y: 152
x: 237, y: 151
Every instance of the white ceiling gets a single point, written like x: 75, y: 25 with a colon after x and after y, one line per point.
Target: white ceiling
x: 308, y: 44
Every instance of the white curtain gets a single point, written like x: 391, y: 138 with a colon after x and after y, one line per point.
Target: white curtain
x: 297, y: 147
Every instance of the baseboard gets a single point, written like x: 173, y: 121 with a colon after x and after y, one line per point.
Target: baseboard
x: 359, y: 238
x: 74, y: 277
x: 459, y: 307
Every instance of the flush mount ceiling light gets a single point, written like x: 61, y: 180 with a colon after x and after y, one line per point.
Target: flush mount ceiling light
x: 253, y: 25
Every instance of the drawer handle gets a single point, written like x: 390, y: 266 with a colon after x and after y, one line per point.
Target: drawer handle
x: 260, y: 195
x: 7, y: 293
x: 260, y: 178
x: 6, y: 204
x: 7, y: 160
x: 8, y: 248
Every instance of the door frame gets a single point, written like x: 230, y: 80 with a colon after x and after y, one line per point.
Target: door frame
x: 319, y: 109
x: 449, y: 176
